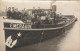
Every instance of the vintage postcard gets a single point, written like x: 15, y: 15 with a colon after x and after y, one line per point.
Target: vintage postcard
x: 39, y: 25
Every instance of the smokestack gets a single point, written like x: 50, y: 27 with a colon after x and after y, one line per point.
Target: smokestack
x: 54, y: 8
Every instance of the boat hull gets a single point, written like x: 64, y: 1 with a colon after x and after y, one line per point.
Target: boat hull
x: 34, y: 36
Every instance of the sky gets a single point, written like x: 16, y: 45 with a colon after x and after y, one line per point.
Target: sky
x: 64, y: 7
x: 26, y: 0
x: 27, y: 4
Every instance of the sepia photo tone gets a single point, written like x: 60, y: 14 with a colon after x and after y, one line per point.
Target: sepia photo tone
x: 39, y: 25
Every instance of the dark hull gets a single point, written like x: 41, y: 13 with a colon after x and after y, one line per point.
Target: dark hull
x: 35, y: 36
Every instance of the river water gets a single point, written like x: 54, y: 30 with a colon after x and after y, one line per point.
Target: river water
x: 69, y: 41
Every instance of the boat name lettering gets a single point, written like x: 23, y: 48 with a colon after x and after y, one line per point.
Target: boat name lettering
x: 18, y: 25
x: 15, y: 25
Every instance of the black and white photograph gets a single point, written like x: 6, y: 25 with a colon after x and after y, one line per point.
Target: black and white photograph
x: 39, y: 25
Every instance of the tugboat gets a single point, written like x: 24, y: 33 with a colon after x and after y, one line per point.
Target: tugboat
x: 36, y: 29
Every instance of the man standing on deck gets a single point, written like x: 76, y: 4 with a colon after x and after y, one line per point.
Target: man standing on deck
x: 17, y: 14
x: 9, y: 12
x: 13, y: 13
x: 34, y: 12
x: 39, y: 11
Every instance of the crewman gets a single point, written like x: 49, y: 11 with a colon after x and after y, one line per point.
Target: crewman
x: 23, y: 12
x: 13, y: 13
x: 34, y: 10
x: 34, y: 13
x: 17, y: 14
x: 9, y: 12
x: 39, y: 11
x: 25, y: 16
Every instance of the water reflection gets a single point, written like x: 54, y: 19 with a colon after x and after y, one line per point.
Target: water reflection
x: 71, y: 41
